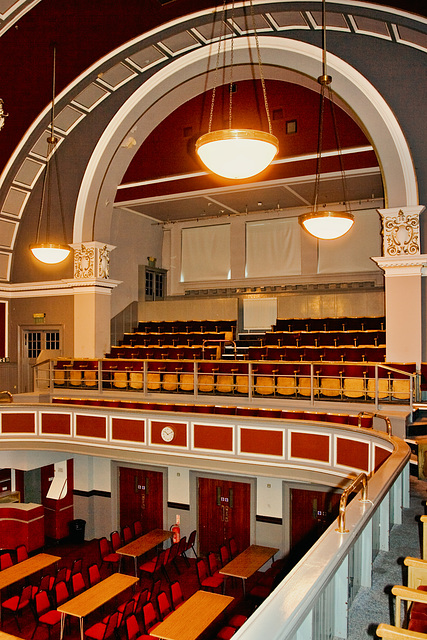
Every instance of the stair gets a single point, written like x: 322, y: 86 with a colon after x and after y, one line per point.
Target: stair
x: 243, y: 342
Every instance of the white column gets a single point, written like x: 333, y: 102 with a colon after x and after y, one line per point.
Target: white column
x: 403, y: 267
x: 92, y: 299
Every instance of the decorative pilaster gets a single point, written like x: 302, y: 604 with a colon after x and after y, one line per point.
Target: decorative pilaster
x: 92, y: 299
x: 403, y: 266
x: 92, y: 260
x: 401, y: 231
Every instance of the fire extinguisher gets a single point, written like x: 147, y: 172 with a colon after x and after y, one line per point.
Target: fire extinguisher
x: 176, y: 532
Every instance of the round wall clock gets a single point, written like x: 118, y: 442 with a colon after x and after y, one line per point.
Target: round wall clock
x: 167, y: 434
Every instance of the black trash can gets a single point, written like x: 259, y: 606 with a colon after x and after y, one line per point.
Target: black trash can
x: 77, y: 531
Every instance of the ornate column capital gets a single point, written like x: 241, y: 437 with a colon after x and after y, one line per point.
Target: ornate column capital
x: 401, y: 231
x: 92, y: 260
x: 403, y: 265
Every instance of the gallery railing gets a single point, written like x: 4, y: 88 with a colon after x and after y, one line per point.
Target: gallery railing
x: 373, y: 383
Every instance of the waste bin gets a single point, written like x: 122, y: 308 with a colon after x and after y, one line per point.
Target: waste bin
x: 77, y: 531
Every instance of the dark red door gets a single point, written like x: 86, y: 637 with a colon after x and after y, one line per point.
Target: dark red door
x: 224, y: 512
x: 311, y: 514
x: 141, y: 498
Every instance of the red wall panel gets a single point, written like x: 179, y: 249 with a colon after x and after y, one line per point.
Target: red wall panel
x: 210, y: 437
x: 261, y: 441
x: 351, y: 453
x: 59, y: 423
x: 180, y: 429
x: 132, y: 430
x: 91, y: 426
x: 18, y: 422
x: 312, y: 446
x: 380, y: 456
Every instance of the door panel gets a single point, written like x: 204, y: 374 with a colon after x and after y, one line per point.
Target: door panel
x: 224, y: 512
x: 33, y: 343
x: 311, y: 514
x: 141, y: 498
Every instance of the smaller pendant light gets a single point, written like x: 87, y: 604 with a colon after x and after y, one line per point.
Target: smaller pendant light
x: 50, y: 252
x: 320, y: 223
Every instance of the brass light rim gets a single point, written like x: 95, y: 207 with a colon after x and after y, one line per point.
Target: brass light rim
x: 325, y: 214
x: 237, y: 134
x: 50, y: 245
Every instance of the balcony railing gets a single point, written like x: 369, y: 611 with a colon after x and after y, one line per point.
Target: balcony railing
x: 372, y: 383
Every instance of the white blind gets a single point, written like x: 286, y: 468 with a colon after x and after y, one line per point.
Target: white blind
x: 205, y: 253
x: 273, y: 248
x: 259, y: 313
x: 353, y: 251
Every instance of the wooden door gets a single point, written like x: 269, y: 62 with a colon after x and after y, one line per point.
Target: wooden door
x: 224, y: 512
x: 311, y: 514
x: 32, y: 343
x: 141, y: 498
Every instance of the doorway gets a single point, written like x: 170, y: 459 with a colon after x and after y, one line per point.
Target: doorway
x: 33, y: 341
x: 311, y: 514
x: 224, y: 513
x: 141, y: 498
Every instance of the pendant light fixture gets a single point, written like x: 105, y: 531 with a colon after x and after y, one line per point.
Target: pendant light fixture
x: 237, y: 153
x: 48, y: 251
x: 321, y: 223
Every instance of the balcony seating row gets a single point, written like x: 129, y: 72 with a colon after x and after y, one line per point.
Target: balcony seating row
x: 206, y: 352
x: 188, y: 326
x: 362, y: 323
x: 292, y: 354
x: 334, y: 380
x: 365, y: 421
x: 324, y: 338
x: 318, y: 354
x: 172, y: 339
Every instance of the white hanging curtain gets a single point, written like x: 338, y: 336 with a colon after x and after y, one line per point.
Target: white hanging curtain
x: 273, y: 248
x: 205, y: 253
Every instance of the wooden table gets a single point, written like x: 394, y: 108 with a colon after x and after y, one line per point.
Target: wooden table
x: 246, y: 563
x: 144, y: 543
x: 95, y: 597
x: 24, y: 569
x: 8, y: 636
x: 192, y: 617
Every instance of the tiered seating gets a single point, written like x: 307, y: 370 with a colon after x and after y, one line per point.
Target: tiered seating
x: 203, y: 352
x: 318, y: 354
x: 172, y: 339
x: 325, y: 338
x: 363, y: 323
x: 365, y: 421
x: 188, y: 326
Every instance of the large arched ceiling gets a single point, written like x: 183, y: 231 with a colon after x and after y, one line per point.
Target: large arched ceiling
x: 161, y: 177
x: 95, y: 41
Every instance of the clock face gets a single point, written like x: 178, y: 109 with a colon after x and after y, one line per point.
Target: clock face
x: 167, y: 434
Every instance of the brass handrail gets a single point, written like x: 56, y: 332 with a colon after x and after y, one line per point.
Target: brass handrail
x: 362, y: 479
x: 375, y: 415
x: 233, y: 342
x: 8, y: 394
